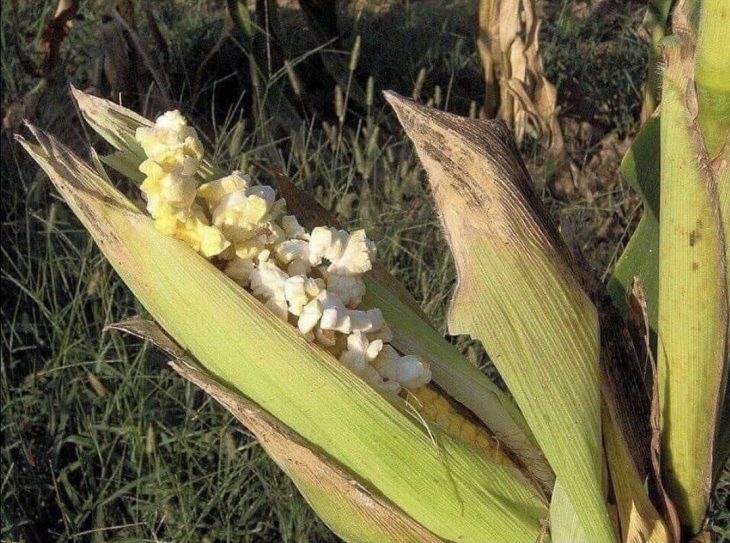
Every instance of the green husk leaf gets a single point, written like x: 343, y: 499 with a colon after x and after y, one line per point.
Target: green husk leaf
x: 518, y: 294
x: 640, y: 167
x: 442, y: 484
x: 693, y: 305
x: 565, y: 527
x: 348, y: 506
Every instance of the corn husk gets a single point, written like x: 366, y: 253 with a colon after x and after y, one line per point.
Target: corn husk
x: 518, y: 294
x: 354, y: 511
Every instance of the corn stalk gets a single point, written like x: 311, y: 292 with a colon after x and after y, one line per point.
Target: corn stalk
x: 516, y: 88
x: 692, y: 330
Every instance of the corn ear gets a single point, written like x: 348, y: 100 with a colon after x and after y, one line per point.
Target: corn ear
x: 693, y: 304
x: 443, y: 484
x: 351, y: 509
x: 518, y: 294
x: 411, y: 330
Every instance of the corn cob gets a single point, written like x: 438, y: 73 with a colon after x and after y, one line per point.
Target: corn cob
x: 437, y: 408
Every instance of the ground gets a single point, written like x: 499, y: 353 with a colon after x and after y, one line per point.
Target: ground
x: 100, y: 440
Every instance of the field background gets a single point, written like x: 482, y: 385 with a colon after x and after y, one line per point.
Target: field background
x: 101, y: 442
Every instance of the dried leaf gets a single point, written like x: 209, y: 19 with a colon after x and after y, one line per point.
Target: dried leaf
x: 638, y: 304
x: 56, y: 31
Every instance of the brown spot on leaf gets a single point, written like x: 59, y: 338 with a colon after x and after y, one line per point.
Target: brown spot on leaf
x: 694, y: 235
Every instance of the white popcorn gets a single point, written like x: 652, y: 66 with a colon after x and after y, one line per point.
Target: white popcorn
x: 327, y: 242
x: 409, y: 370
x: 349, y: 288
x: 240, y: 269
x: 250, y: 248
x: 299, y: 290
x: 360, y: 351
x: 311, y: 279
x: 240, y: 215
x: 171, y: 143
x: 268, y: 283
x: 295, y: 294
x: 348, y: 254
x: 335, y: 316
x: 214, y: 191
x: 310, y: 316
x: 298, y: 267
x: 386, y: 354
x: 356, y: 257
x: 384, y: 333
x: 274, y: 233
x: 373, y: 378
x: 296, y: 250
x: 162, y: 187
x: 366, y: 321
x: 265, y: 192
x: 292, y: 228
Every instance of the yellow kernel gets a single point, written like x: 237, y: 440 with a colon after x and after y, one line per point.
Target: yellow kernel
x: 468, y: 432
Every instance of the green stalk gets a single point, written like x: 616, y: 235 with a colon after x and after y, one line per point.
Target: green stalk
x: 712, y: 75
x: 692, y: 321
x: 712, y: 78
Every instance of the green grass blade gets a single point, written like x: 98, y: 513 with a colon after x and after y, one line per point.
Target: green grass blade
x: 693, y: 307
x: 443, y: 484
x: 517, y: 293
